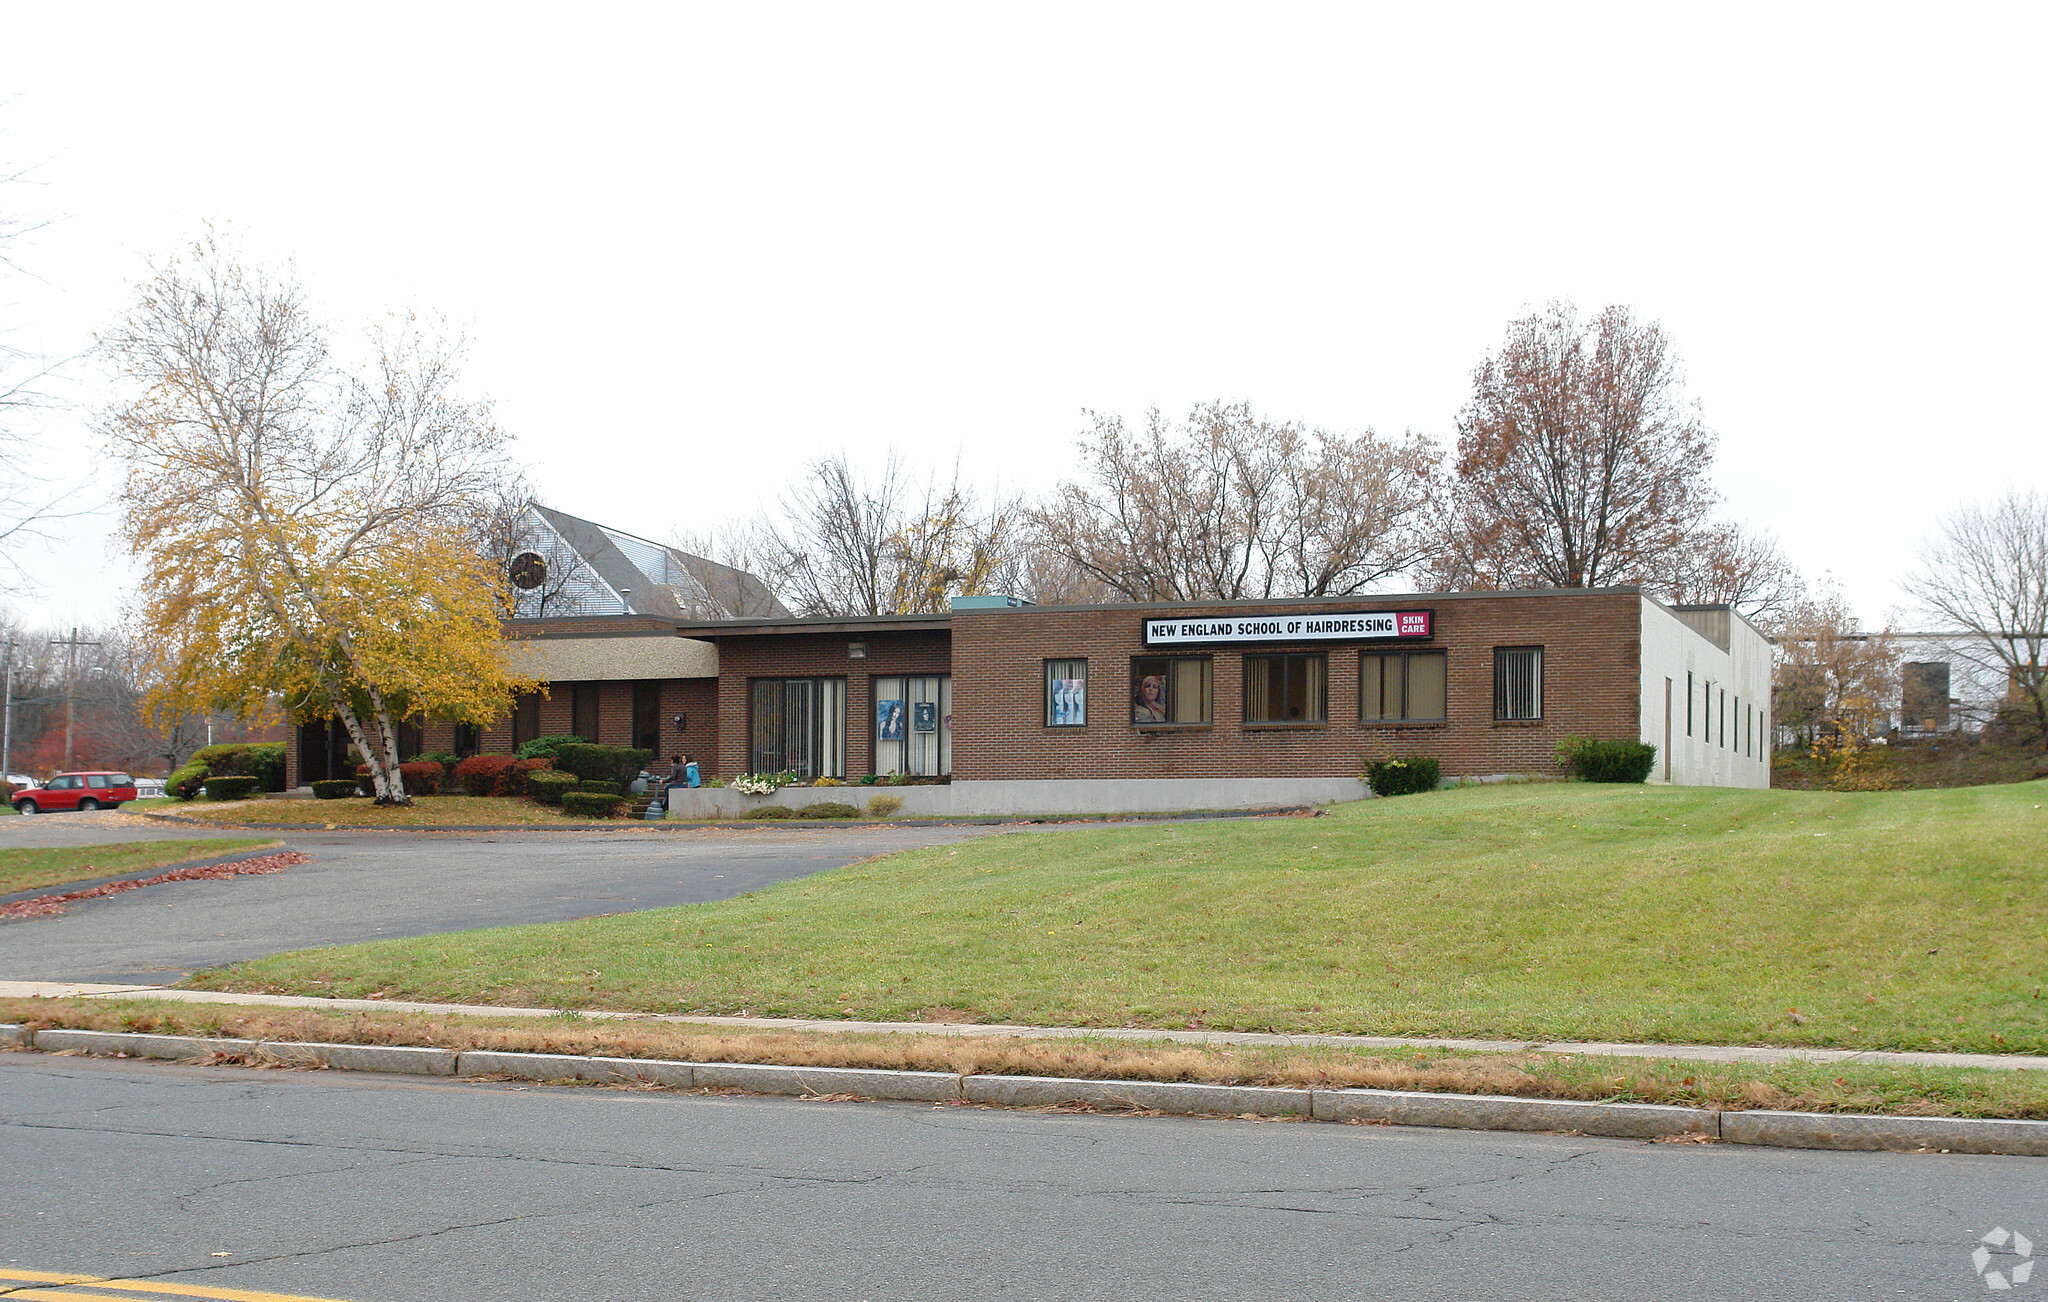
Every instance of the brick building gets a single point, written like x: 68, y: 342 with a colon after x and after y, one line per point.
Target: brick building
x: 1049, y: 709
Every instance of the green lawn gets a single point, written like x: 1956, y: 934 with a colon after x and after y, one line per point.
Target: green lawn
x: 1904, y: 920
x: 31, y: 869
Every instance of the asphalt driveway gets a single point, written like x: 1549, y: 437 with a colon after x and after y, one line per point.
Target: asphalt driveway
x: 375, y: 885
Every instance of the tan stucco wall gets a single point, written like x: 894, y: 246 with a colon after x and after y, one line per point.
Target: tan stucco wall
x: 588, y: 659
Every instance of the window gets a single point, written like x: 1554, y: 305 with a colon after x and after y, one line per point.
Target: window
x: 1724, y: 717
x: 1170, y: 689
x: 1401, y: 686
x: 914, y: 725
x: 1066, y: 693
x: 1688, y: 705
x: 466, y: 740
x: 96, y: 780
x: 1517, y: 682
x: 647, y: 716
x: 797, y: 725
x: 1286, y: 689
x: 583, y: 711
x: 525, y: 719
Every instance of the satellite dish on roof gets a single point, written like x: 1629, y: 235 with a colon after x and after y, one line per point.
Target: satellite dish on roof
x: 529, y: 571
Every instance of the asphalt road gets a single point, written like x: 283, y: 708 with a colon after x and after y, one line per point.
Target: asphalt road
x: 388, y: 1189
x: 368, y: 886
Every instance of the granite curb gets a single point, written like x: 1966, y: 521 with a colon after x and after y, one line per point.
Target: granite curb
x: 1641, y: 1121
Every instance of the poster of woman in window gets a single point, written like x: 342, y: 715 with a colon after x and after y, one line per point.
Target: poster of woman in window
x: 1148, y: 703
x: 889, y: 720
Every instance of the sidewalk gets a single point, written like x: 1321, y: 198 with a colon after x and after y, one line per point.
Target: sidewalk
x: 1687, y: 1052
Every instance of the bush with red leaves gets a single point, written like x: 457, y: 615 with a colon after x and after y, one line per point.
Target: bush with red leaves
x: 484, y: 775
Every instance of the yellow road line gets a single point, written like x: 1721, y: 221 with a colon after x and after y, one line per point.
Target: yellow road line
x: 161, y: 1288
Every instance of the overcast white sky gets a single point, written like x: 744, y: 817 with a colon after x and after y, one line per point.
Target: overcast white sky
x: 693, y: 246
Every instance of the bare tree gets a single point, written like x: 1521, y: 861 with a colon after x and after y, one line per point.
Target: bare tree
x: 847, y: 544
x: 29, y: 501
x: 1986, y: 574
x: 1579, y: 462
x: 1229, y: 505
x: 1743, y: 568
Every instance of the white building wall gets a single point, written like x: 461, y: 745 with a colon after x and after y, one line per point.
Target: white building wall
x: 1734, y: 685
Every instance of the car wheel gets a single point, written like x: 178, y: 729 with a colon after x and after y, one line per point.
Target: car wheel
x: 87, y: 805
x: 25, y: 807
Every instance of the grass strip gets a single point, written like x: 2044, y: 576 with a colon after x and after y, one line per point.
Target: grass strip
x: 424, y: 811
x: 1887, y: 920
x: 28, y: 869
x: 1810, y: 1087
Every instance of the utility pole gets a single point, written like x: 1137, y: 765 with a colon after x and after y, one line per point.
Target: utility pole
x: 7, y: 729
x: 71, y: 645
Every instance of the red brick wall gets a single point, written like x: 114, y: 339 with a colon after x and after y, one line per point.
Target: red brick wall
x: 818, y: 655
x: 1590, y: 662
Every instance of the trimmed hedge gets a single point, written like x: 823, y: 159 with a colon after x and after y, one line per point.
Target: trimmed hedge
x: 828, y: 809
x: 1622, y: 760
x: 883, y: 806
x: 335, y: 789
x: 590, y: 806
x: 544, y: 747
x: 421, y: 777
x: 547, y: 787
x: 602, y: 788
x: 618, y: 764
x: 231, y: 786
x: 1402, y: 777
x: 186, y: 782
x: 446, y: 759
x: 484, y: 775
x: 522, y: 771
x: 770, y: 811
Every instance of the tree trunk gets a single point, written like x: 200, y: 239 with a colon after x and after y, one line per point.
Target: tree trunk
x: 387, y: 784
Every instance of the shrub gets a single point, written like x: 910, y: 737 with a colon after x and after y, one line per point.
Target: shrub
x: 237, y: 786
x: 336, y: 789
x: 770, y: 811
x: 229, y: 759
x: 421, y: 777
x: 1606, y: 761
x: 829, y: 809
x: 544, y: 747
x: 7, y: 790
x: 587, y: 805
x: 1401, y: 777
x: 827, y: 782
x: 266, y: 763
x: 484, y: 775
x: 522, y: 772
x: 883, y: 806
x: 185, y: 783
x: 617, y: 764
x: 547, y: 787
x: 446, y: 760
x: 365, y: 784
x: 601, y: 788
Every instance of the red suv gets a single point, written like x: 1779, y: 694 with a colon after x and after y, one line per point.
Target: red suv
x: 76, y: 791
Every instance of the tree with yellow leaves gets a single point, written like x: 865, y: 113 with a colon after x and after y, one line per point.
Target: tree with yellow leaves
x: 300, y: 524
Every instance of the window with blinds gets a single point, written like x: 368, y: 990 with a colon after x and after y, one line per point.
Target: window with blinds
x: 1402, y: 686
x: 1066, y: 693
x: 1517, y: 682
x: 1286, y: 689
